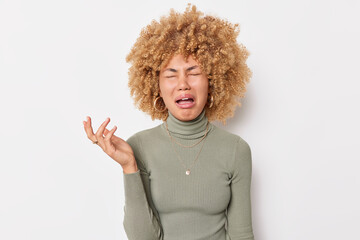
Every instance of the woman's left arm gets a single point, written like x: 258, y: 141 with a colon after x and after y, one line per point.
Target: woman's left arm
x: 239, y: 220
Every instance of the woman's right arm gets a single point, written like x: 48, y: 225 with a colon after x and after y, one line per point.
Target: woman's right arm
x: 141, y: 220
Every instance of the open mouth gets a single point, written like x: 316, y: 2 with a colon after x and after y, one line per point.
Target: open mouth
x: 185, y: 101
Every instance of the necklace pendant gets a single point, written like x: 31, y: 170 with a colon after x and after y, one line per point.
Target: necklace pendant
x: 187, y: 172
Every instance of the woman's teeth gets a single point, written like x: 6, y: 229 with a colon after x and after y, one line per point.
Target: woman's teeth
x: 185, y: 100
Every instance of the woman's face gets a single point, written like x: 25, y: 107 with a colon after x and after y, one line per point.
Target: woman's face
x: 180, y: 80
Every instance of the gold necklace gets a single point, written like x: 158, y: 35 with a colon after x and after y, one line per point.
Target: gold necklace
x: 187, y: 172
x: 207, y: 127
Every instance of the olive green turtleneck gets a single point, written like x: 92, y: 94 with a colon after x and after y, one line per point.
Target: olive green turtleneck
x: 211, y: 203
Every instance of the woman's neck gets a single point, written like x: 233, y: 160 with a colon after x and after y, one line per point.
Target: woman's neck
x: 188, y: 129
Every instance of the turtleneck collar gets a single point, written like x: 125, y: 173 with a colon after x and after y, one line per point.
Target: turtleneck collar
x: 187, y: 129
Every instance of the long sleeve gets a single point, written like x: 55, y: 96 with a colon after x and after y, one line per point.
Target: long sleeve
x: 141, y: 220
x: 239, y: 220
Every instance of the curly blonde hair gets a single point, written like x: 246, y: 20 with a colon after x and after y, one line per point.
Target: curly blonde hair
x: 209, y: 40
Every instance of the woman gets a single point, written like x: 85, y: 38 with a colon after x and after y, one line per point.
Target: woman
x: 185, y: 178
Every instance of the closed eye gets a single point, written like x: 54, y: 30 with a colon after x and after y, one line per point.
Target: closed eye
x: 169, y: 76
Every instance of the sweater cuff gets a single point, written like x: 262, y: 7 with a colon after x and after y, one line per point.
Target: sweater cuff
x: 131, y: 173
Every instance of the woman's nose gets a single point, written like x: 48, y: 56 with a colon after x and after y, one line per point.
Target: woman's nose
x: 183, y: 82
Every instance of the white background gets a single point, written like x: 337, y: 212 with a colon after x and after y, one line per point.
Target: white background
x: 63, y: 60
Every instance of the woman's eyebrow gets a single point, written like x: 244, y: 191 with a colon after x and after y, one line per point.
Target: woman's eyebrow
x: 191, y: 68
x: 188, y: 69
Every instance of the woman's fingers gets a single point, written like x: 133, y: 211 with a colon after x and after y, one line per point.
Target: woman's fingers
x: 109, y: 134
x: 107, y: 140
x: 112, y: 145
x: 106, y: 143
x: 114, y: 139
x: 89, y: 130
x: 106, y: 131
x: 100, y: 132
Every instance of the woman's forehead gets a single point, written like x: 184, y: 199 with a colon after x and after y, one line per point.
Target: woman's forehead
x: 178, y: 61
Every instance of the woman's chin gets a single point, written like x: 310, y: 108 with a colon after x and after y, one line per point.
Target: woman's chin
x: 186, y: 114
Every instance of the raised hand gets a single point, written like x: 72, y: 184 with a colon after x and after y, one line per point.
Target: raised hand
x: 115, y: 147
